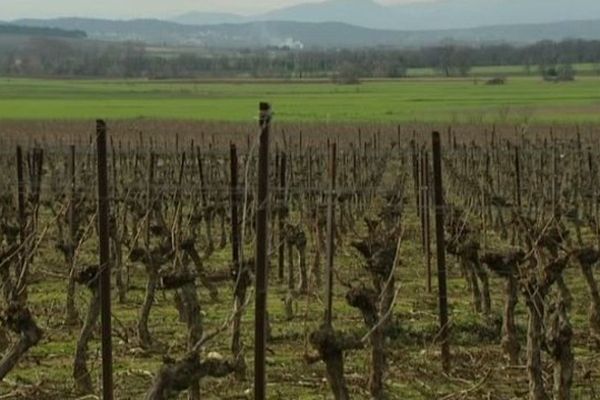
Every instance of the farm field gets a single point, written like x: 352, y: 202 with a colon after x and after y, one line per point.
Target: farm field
x: 521, y: 100
x: 182, y: 130
x: 300, y: 200
x: 380, y: 176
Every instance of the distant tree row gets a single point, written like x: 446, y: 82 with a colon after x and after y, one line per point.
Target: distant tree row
x: 9, y: 29
x: 51, y: 56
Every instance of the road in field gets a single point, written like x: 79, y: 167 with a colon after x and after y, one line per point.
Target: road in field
x: 418, y: 100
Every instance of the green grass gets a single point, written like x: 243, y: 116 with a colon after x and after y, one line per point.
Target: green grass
x: 410, y: 100
x: 414, y: 373
x: 414, y: 360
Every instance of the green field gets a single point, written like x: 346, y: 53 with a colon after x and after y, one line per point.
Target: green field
x: 410, y: 100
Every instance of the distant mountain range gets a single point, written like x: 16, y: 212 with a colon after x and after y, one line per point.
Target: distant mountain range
x: 209, y: 18
x: 429, y: 15
x: 304, y: 34
x: 356, y: 23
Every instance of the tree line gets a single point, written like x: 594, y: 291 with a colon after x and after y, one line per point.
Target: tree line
x: 51, y: 56
x: 9, y: 29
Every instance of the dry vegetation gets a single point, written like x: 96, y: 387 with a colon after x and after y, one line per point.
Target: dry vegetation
x: 522, y: 241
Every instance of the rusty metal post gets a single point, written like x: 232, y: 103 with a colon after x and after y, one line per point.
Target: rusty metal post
x: 330, y: 236
x: 441, y: 250
x: 21, y: 209
x: 104, y: 236
x: 518, y: 178
x: 421, y: 194
x: 281, y: 217
x: 234, y: 196
x: 262, y: 256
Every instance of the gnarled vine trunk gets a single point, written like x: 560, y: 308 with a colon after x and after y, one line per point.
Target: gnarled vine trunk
x: 587, y: 259
x: 176, y: 376
x: 366, y: 301
x: 83, y: 380
x: 144, y: 336
x: 510, y: 342
x: 331, y: 346
x: 19, y: 320
x: 559, y: 336
x: 535, y: 310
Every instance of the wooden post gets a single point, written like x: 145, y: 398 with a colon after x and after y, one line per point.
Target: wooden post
x: 71, y: 316
x: 201, y: 175
x: 554, y: 177
x: 178, y: 210
x: 415, y: 171
x: 238, y: 266
x: 72, y: 232
x: 518, y: 178
x: 281, y: 216
x: 593, y: 183
x: 150, y: 200
x: 484, y: 202
x: 330, y: 237
x: 21, y: 209
x: 233, y: 197
x: 421, y: 195
x: 35, y: 172
x: 104, y: 236
x: 441, y: 250
x: 427, y: 205
x: 262, y: 256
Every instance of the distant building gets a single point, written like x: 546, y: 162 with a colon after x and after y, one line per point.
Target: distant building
x: 290, y: 43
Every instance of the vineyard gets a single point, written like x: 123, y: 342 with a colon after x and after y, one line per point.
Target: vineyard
x: 169, y: 260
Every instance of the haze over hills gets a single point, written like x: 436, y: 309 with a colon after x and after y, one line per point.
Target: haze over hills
x: 301, y: 34
x: 209, y: 18
x: 356, y: 23
x: 431, y: 15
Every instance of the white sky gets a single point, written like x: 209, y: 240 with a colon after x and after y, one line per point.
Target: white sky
x: 12, y: 9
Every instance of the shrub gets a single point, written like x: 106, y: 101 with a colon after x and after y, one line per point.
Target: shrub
x: 496, y: 81
x: 347, y: 74
x: 560, y: 73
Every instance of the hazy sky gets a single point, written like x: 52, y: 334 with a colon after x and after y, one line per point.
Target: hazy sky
x: 11, y: 9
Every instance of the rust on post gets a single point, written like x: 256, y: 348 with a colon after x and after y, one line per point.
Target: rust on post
x: 103, y: 233
x: 262, y: 255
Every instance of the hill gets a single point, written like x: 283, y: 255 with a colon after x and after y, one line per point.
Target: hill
x: 326, y: 34
x: 428, y: 15
x: 207, y: 18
